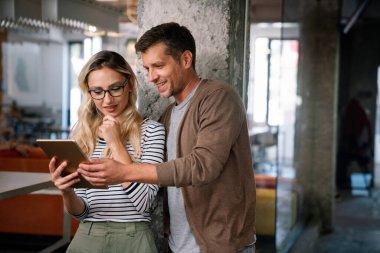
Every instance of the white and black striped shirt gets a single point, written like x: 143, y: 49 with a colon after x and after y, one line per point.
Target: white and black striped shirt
x: 133, y: 203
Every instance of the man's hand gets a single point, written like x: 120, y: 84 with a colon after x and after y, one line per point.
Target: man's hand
x: 107, y: 171
x: 103, y: 171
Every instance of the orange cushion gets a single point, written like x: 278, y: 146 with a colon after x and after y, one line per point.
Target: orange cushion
x: 263, y: 181
x: 35, y: 152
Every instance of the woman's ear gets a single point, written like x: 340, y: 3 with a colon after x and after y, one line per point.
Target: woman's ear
x: 131, y: 85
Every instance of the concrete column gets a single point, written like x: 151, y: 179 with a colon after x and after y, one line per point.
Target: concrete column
x: 221, y: 32
x: 220, y: 29
x: 317, y: 114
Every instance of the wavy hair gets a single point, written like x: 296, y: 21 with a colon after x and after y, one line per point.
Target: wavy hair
x: 85, y: 131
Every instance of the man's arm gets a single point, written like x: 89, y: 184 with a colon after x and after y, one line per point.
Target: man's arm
x: 219, y: 118
x: 108, y: 171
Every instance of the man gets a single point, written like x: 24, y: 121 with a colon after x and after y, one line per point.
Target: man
x: 211, y: 193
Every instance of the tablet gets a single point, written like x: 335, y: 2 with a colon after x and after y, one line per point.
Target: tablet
x: 70, y: 151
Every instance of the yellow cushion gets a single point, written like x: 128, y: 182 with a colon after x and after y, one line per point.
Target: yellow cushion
x: 265, y: 211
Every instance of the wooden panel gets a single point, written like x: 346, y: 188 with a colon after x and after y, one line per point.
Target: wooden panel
x: 37, y: 214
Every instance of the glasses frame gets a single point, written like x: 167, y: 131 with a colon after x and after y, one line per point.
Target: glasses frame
x: 123, y: 85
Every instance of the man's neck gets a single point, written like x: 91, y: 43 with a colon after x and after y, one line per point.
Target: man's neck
x: 189, y: 87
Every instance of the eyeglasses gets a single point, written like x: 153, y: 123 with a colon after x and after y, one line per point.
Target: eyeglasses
x: 114, y: 91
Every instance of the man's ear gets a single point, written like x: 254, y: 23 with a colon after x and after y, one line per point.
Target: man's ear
x: 187, y: 58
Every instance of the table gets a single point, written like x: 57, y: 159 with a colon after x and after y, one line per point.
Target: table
x: 18, y: 183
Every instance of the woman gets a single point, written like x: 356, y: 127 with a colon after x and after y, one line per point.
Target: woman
x: 114, y: 219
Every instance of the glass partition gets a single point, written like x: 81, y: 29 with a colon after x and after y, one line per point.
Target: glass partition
x: 271, y: 110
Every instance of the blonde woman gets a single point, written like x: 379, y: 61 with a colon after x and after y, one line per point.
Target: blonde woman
x: 116, y: 219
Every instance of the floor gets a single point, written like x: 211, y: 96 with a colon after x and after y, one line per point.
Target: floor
x: 357, y: 226
x: 18, y: 243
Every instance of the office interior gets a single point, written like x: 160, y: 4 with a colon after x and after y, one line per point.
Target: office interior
x: 310, y: 82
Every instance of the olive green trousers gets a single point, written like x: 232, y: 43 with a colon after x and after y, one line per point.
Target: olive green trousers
x: 113, y: 237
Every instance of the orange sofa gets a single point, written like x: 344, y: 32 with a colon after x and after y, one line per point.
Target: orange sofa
x: 36, y: 213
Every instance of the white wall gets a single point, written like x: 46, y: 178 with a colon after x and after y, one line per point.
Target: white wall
x: 33, y: 75
x: 51, y: 71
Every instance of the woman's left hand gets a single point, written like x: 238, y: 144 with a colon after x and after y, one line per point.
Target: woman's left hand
x: 110, y: 129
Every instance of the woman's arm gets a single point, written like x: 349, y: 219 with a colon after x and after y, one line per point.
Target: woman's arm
x: 153, y: 144
x: 72, y: 202
x: 110, y: 131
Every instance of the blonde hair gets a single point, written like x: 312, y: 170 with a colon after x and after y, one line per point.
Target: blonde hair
x: 85, y: 131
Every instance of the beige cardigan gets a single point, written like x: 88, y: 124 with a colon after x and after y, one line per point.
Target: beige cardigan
x: 214, y: 169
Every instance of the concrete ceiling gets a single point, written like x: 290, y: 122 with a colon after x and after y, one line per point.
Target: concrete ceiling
x: 272, y: 10
x: 352, y: 11
x: 128, y: 8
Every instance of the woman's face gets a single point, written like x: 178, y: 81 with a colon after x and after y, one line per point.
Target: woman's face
x: 106, y: 79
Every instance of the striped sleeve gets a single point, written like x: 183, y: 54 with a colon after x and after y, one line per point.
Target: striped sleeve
x: 81, y: 192
x: 152, y: 147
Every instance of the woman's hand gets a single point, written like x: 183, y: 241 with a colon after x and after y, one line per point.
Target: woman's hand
x: 72, y: 202
x: 110, y: 130
x: 111, y: 133
x: 62, y: 183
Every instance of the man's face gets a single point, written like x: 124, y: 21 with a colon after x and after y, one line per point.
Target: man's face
x: 164, y: 71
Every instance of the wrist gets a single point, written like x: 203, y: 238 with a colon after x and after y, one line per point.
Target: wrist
x: 115, y: 146
x: 68, y: 192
